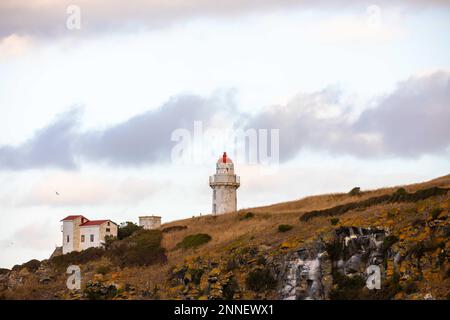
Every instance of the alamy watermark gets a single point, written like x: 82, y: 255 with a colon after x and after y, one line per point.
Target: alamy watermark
x: 74, y: 280
x: 201, y: 145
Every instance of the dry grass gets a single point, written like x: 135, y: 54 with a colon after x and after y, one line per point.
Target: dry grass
x: 228, y: 228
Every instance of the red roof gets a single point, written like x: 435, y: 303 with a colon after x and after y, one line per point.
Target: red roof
x: 68, y: 218
x: 93, y: 223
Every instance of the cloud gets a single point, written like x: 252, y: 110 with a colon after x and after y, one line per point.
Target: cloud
x: 143, y: 139
x: 409, y: 122
x: 48, y: 17
x: 49, y: 147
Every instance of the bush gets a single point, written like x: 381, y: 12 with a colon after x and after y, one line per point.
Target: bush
x: 246, y: 216
x: 401, y: 192
x: 284, y: 227
x: 260, y: 280
x: 75, y: 257
x: 334, y: 221
x: 435, y: 213
x: 410, y: 287
x: 143, y: 248
x: 126, y: 229
x: 389, y: 241
x: 31, y: 266
x: 230, y: 289
x: 194, y: 240
x: 103, y: 270
x: 356, y: 191
x: 395, y: 197
x: 346, y: 288
x: 173, y: 228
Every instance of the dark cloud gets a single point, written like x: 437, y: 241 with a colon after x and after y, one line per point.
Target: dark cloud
x: 48, y: 18
x: 143, y: 139
x: 50, y: 146
x: 415, y: 118
x: 409, y: 122
x: 146, y: 137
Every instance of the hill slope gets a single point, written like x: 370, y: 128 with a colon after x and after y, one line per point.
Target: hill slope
x: 247, y: 255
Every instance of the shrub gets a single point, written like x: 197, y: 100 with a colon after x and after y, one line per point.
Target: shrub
x: 103, y: 269
x: 75, y: 257
x: 126, y: 229
x: 334, y: 221
x: 435, y: 213
x: 401, y: 192
x: 356, y: 191
x: 99, y: 291
x: 410, y: 287
x: 173, y: 228
x: 230, y: 288
x: 143, y: 248
x: 246, y: 216
x: 260, y: 280
x: 389, y: 241
x: 395, y: 197
x: 231, y: 264
x: 284, y: 227
x: 194, y: 240
x: 31, y: 266
x: 346, y: 288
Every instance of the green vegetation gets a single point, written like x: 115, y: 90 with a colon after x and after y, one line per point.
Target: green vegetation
x: 246, y: 216
x: 143, y: 248
x: 126, y: 229
x: 260, y: 280
x: 75, y: 257
x: 104, y: 269
x: 435, y: 213
x: 230, y: 288
x: 389, y: 241
x: 97, y: 291
x: 346, y: 288
x: 31, y: 265
x: 395, y: 197
x: 194, y: 240
x: 356, y: 191
x: 334, y: 221
x: 284, y: 227
x: 173, y: 228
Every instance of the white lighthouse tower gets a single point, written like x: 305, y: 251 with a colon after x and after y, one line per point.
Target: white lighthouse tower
x: 224, y: 184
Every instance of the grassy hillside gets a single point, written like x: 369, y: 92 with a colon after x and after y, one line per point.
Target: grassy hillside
x: 242, y: 255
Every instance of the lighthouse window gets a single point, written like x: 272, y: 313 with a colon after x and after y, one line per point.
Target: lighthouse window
x: 67, y: 238
x: 214, y: 194
x: 214, y: 208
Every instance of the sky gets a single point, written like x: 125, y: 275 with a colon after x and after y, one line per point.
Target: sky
x: 96, y: 97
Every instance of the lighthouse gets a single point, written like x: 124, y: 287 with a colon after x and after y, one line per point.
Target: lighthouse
x: 224, y: 185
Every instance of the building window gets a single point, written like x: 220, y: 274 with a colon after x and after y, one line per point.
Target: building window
x: 108, y: 223
x: 92, y: 238
x: 108, y: 230
x: 67, y: 238
x: 82, y: 238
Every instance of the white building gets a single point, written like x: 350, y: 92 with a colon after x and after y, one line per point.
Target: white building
x: 80, y: 233
x: 224, y: 184
x: 150, y: 222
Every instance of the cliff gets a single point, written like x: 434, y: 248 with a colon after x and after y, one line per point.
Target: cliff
x: 318, y: 247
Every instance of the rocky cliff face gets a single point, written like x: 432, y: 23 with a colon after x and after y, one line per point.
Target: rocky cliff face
x: 308, y: 273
